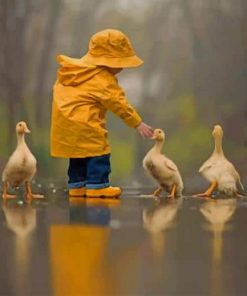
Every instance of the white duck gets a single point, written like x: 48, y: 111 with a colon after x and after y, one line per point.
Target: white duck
x: 162, y: 169
x: 220, y: 172
x: 21, y: 166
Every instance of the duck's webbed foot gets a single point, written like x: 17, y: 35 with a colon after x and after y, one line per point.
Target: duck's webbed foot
x: 29, y: 195
x: 8, y: 196
x: 208, y: 192
x: 173, y: 192
x: 34, y: 196
x: 157, y: 192
x: 5, y: 194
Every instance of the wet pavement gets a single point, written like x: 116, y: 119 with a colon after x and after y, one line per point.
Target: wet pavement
x: 128, y: 247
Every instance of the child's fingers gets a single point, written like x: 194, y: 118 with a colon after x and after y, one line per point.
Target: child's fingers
x: 149, y: 133
x: 145, y: 130
x: 148, y: 127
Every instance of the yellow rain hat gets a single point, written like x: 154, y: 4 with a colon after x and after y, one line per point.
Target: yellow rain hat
x: 113, y: 49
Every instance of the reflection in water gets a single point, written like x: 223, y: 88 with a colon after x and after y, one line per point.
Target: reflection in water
x: 107, y: 202
x: 94, y: 211
x: 157, y: 219
x: 78, y: 250
x: 21, y: 219
x: 218, y: 213
x: 142, y: 255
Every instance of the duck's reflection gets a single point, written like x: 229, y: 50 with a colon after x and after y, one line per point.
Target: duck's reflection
x: 21, y: 220
x: 157, y: 219
x: 217, y: 213
x: 78, y: 249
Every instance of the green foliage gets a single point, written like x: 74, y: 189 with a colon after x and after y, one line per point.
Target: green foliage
x: 188, y: 142
x: 122, y: 158
x: 187, y: 109
x: 189, y: 147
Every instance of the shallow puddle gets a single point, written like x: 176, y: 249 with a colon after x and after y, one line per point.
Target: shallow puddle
x: 133, y: 246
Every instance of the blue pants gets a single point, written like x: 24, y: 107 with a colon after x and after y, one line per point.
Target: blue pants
x: 89, y: 172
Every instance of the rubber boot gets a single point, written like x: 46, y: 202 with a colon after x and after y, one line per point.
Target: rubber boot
x: 104, y: 192
x: 77, y: 192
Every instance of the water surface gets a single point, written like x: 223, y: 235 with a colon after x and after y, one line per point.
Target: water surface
x: 133, y: 246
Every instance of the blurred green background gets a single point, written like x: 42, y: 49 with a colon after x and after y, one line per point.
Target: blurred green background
x: 194, y: 76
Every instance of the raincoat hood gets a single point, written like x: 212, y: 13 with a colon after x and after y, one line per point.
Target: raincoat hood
x: 75, y: 71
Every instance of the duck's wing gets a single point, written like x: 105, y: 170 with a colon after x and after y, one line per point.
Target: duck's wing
x: 207, y: 165
x: 170, y: 165
x: 9, y: 167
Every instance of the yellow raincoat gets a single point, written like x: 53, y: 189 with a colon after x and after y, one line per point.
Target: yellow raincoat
x: 81, y: 96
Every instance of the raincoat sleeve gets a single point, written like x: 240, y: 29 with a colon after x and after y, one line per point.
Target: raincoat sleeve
x: 114, y: 99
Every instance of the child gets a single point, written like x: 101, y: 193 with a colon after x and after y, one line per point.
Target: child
x: 85, y: 89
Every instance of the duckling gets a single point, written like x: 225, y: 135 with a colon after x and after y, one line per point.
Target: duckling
x: 219, y: 171
x: 21, y: 166
x: 163, y: 169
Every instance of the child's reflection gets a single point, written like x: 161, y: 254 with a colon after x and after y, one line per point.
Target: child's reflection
x: 96, y: 211
x: 217, y: 213
x: 78, y: 249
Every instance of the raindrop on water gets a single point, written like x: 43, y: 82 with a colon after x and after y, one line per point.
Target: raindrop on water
x: 115, y: 224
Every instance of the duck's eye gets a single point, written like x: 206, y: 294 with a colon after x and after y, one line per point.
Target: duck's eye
x: 159, y: 132
x: 20, y: 124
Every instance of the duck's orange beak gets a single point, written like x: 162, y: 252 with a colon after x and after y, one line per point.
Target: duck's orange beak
x: 27, y: 130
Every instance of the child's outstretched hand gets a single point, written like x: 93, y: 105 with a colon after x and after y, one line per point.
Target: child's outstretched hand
x: 145, y: 130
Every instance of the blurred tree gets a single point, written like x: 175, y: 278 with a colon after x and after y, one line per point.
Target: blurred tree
x: 14, y: 19
x: 48, y: 41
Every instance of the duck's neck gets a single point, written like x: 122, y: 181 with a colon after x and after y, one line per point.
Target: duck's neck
x: 218, y: 145
x: 158, y: 146
x: 20, y: 139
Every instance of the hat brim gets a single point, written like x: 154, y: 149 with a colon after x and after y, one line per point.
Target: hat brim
x: 123, y: 62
